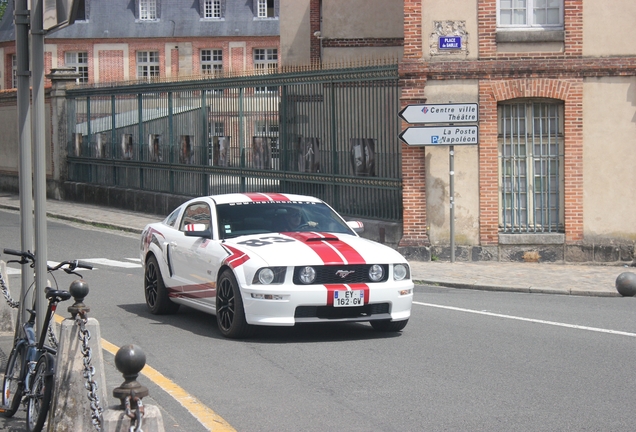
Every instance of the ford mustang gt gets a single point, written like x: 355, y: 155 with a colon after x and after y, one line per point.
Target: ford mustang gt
x: 272, y: 259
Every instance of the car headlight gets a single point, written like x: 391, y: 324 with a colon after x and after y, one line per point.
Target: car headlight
x: 400, y: 272
x: 307, y: 275
x: 376, y: 273
x: 269, y: 275
x: 266, y: 276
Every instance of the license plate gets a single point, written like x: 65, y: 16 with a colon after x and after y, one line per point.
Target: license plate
x: 348, y: 298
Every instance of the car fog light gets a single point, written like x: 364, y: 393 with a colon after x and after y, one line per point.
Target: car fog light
x: 400, y: 272
x: 405, y: 292
x: 266, y: 276
x: 376, y: 273
x: 307, y: 275
x: 267, y: 296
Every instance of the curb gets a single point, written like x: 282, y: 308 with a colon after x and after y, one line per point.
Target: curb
x: 519, y: 289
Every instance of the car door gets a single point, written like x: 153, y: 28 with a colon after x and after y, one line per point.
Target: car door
x: 196, y: 259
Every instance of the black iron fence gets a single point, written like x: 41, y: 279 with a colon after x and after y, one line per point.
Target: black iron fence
x: 332, y: 134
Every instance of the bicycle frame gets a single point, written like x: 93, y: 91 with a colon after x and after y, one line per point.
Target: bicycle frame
x: 36, y: 349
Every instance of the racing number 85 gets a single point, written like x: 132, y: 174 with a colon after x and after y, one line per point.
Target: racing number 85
x: 264, y: 241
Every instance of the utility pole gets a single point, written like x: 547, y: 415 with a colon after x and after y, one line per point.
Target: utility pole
x: 21, y: 17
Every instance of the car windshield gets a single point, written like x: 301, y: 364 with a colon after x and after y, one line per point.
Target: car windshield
x: 272, y: 217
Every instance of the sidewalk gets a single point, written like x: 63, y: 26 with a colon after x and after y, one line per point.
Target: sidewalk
x: 593, y: 280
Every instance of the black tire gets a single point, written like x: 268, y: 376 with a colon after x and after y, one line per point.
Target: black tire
x: 388, y: 325
x: 12, y: 386
x: 230, y: 314
x: 155, y: 291
x: 39, y: 400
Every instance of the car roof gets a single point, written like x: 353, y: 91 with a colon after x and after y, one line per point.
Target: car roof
x: 260, y: 197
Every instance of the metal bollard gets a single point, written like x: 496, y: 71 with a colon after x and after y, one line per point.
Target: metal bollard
x: 132, y: 413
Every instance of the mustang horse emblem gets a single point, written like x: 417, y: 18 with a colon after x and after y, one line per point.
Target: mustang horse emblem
x: 344, y: 273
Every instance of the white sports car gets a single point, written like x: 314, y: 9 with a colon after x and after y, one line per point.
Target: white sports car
x: 275, y: 260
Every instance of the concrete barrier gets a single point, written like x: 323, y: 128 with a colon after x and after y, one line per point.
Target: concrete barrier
x: 7, y: 313
x: 70, y: 407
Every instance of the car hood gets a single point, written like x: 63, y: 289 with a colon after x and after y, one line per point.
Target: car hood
x: 314, y: 248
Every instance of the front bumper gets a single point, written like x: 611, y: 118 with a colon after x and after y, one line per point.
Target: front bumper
x: 286, y: 304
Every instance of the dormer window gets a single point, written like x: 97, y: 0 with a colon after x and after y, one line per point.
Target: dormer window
x: 266, y: 9
x: 148, y: 10
x: 212, y: 9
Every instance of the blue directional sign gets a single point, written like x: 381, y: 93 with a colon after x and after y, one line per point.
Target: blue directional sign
x: 450, y: 42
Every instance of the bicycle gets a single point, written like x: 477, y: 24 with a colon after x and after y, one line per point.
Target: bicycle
x: 30, y: 369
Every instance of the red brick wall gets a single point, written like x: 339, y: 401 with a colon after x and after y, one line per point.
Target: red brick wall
x: 413, y: 76
x: 111, y: 62
x: 314, y: 26
x: 111, y: 66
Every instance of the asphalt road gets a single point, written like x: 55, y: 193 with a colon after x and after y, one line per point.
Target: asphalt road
x: 467, y: 361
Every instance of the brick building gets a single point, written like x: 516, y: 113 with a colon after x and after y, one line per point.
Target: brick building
x: 121, y: 40
x: 555, y: 83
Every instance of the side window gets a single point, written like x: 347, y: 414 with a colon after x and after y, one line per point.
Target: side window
x: 197, y: 213
x: 172, y: 218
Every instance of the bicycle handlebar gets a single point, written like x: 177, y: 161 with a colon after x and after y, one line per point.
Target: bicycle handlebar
x: 28, y: 257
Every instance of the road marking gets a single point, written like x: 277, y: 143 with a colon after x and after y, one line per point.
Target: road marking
x: 111, y: 263
x: 536, y: 321
x: 204, y: 415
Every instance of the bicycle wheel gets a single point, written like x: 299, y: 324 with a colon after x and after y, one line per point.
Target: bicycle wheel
x: 39, y: 400
x: 12, y: 384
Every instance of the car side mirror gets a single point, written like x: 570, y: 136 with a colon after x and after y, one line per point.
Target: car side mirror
x: 356, y: 226
x: 197, y: 230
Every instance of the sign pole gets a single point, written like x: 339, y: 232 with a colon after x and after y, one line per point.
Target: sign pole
x: 451, y: 153
x: 24, y: 138
x: 39, y: 160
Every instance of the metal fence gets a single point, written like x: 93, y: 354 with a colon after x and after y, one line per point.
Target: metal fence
x: 332, y: 134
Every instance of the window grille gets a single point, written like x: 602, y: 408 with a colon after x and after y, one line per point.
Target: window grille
x: 531, y: 167
x: 212, y: 9
x: 78, y: 60
x: 211, y: 61
x: 147, y: 64
x: 147, y: 10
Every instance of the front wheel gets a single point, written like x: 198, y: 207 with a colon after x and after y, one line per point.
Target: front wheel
x: 230, y: 314
x: 388, y: 325
x: 155, y: 291
x: 39, y: 400
x: 12, y: 384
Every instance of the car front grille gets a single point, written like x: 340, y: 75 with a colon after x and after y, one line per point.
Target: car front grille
x: 335, y: 313
x: 342, y: 274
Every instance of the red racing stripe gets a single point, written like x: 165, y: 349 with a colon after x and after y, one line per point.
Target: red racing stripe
x: 257, y: 196
x: 236, y: 258
x: 330, y: 249
x: 343, y: 287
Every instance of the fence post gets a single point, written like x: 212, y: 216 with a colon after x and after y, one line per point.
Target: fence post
x: 59, y: 119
